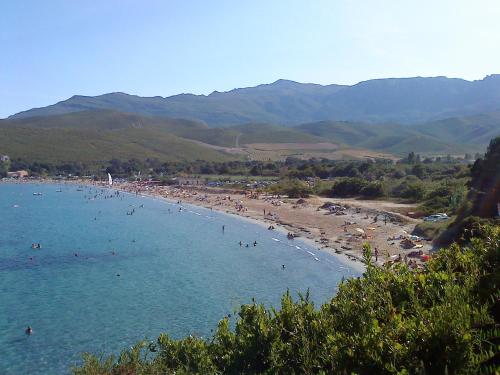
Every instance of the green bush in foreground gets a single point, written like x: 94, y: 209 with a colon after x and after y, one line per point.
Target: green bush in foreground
x: 444, y: 320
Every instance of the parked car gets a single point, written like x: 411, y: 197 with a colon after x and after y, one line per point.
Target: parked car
x: 437, y: 217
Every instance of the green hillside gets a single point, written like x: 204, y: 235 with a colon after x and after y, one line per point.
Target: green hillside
x: 112, y: 120
x: 479, y: 129
x: 265, y: 133
x: 400, y: 139
x: 104, y: 134
x: 391, y: 138
x: 91, y: 136
x: 89, y: 145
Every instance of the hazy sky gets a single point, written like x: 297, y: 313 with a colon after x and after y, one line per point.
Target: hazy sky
x: 53, y: 49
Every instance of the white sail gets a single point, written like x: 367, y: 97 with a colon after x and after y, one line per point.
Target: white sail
x: 110, y: 180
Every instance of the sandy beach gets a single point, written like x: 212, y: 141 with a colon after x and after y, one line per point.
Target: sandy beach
x: 337, y: 225
x: 340, y: 226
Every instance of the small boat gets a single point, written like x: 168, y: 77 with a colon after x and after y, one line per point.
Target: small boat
x: 37, y: 193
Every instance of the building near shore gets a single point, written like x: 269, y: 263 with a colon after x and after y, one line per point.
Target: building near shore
x: 18, y: 174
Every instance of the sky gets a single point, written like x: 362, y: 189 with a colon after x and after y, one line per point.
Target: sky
x: 53, y: 49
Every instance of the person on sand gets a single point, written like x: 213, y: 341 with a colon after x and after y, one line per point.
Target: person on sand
x: 376, y: 254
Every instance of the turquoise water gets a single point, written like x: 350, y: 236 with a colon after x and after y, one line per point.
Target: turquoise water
x: 178, y: 272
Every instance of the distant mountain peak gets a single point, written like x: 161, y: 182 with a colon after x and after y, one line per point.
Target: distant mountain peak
x: 282, y: 81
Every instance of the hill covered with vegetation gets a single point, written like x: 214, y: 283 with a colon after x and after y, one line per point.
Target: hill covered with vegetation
x: 95, y: 136
x: 467, y: 134
x: 105, y: 134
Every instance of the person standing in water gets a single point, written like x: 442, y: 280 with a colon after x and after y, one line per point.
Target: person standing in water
x: 29, y: 330
x: 223, y: 228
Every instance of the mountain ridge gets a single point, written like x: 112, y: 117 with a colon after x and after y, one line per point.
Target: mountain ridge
x: 404, y: 100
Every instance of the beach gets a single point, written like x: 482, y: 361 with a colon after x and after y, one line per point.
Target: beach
x: 339, y: 226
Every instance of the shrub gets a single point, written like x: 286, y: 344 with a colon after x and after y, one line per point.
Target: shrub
x: 373, y: 190
x: 443, y: 320
x: 292, y: 188
x: 347, y: 187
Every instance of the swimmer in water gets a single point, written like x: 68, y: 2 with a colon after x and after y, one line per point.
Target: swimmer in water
x: 255, y: 243
x: 29, y: 330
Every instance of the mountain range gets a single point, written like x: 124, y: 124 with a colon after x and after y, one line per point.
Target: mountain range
x: 400, y: 100
x: 376, y: 118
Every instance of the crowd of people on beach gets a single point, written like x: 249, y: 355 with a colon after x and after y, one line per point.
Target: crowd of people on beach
x: 349, y: 236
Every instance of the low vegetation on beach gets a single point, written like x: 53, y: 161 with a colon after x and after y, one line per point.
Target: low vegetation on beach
x: 443, y: 320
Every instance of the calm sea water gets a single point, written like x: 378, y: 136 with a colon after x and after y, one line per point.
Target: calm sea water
x: 178, y: 272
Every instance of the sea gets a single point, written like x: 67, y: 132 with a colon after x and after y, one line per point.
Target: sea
x: 115, y: 268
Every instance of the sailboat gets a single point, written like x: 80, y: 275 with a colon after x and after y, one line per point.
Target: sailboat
x: 110, y: 180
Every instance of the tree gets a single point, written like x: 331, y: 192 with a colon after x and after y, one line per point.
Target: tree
x: 411, y: 158
x: 373, y: 190
x: 485, y: 181
x: 4, y: 168
x: 419, y: 170
x: 347, y: 187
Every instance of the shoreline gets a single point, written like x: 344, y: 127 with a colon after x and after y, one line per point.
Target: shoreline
x: 341, y: 232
